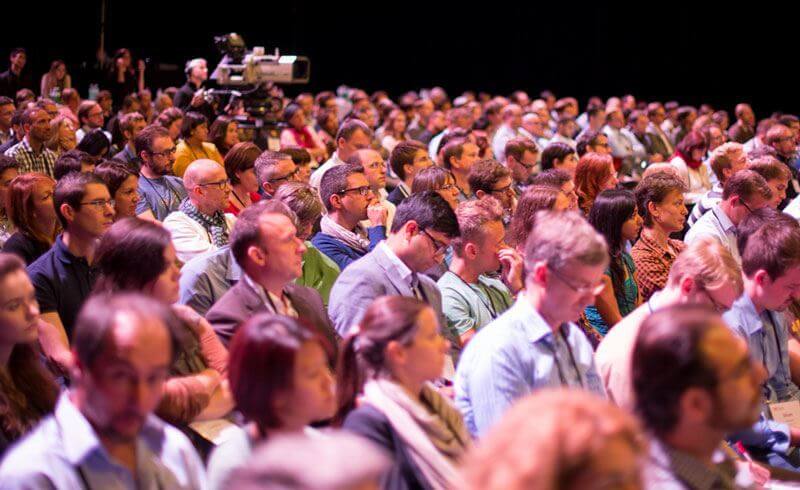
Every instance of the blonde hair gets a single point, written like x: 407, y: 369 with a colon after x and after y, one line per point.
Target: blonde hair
x: 572, y: 428
x: 473, y: 216
x: 709, y: 263
x: 722, y: 157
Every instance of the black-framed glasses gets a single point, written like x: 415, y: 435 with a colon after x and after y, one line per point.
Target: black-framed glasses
x: 438, y: 245
x: 288, y: 176
x: 719, y: 307
x: 100, y: 203
x: 747, y: 206
x: 504, y: 190
x: 593, y: 289
x: 362, y: 190
x: 164, y: 153
x: 219, y: 184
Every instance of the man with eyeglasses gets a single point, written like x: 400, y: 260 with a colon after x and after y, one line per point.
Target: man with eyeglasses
x: 200, y: 225
x: 744, y: 192
x: 487, y: 178
x: 704, y: 273
x: 64, y: 275
x: 522, y: 156
x: 161, y: 193
x: 536, y: 344
x: 90, y: 115
x: 771, y: 274
x: 421, y: 232
x: 782, y: 139
x: 375, y: 172
x: 273, y: 169
x: 348, y: 198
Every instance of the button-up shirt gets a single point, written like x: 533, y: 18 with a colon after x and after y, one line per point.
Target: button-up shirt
x: 653, y: 263
x: 670, y: 469
x: 65, y: 452
x: 207, y: 277
x: 515, y: 355
x: 716, y: 223
x: 30, y: 161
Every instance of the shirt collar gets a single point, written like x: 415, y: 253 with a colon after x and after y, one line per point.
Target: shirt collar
x: 654, y: 245
x: 751, y: 320
x: 402, y: 269
x: 62, y: 252
x: 699, y: 476
x: 233, y: 272
x: 530, y: 320
x: 78, y: 436
x: 725, y: 222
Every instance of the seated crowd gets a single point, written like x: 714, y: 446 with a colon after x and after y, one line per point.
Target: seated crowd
x: 485, y: 293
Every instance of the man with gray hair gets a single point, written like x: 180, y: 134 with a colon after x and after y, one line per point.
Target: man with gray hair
x: 535, y: 343
x: 273, y: 169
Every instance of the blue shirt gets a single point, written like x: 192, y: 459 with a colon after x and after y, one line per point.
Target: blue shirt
x: 162, y: 195
x: 62, y: 282
x: 63, y: 451
x: 205, y: 278
x: 515, y: 355
x: 341, y: 253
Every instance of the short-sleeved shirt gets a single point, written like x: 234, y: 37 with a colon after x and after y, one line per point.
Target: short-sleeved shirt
x: 161, y: 195
x: 472, y: 306
x: 62, y: 282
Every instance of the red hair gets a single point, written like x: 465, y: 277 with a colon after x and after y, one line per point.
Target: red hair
x: 592, y: 172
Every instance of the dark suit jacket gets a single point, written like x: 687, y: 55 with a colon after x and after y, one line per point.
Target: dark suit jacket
x: 241, y: 302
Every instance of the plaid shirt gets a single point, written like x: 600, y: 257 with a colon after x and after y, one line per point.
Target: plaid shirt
x: 29, y: 161
x: 653, y: 263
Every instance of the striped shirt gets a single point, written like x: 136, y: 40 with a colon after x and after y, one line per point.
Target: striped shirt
x: 704, y: 205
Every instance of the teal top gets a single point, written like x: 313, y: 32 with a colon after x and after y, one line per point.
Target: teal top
x: 626, y: 299
x: 472, y: 306
x: 319, y: 272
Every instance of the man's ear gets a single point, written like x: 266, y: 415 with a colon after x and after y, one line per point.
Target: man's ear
x: 335, y: 201
x: 470, y: 250
x: 411, y: 228
x: 480, y: 194
x: 256, y: 255
x: 67, y: 212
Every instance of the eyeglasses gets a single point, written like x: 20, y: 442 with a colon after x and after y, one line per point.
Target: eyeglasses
x: 746, y: 206
x: 362, y: 191
x: 165, y: 153
x: 504, y: 190
x: 100, y: 203
x: 220, y: 184
x: 438, y: 245
x: 719, y: 307
x: 593, y: 289
x: 288, y: 176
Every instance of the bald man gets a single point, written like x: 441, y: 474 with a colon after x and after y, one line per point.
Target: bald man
x: 200, y: 225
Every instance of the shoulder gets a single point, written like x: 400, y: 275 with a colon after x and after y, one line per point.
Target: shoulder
x: 368, y: 421
x: 43, y: 265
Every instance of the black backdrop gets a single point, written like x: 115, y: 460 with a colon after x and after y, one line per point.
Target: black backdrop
x: 692, y: 51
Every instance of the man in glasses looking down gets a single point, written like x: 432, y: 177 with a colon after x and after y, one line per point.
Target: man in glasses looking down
x: 200, y: 225
x: 348, y: 198
x: 535, y: 343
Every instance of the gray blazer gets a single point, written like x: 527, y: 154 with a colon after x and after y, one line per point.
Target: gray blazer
x: 370, y: 277
x: 241, y: 302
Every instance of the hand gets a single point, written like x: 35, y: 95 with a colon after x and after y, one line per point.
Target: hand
x: 190, y: 317
x: 377, y: 213
x: 199, y: 98
x: 759, y: 473
x: 141, y: 65
x: 512, y: 264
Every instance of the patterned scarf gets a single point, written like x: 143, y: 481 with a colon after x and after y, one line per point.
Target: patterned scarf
x: 215, y: 225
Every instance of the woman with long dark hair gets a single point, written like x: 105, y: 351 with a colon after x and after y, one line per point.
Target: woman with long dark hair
x: 137, y: 255
x: 28, y: 391
x: 224, y: 133
x: 614, y: 215
x: 281, y: 381
x: 388, y: 363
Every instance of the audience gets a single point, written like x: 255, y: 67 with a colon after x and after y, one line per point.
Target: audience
x: 536, y: 198
x: 688, y: 160
x: 281, y: 381
x: 102, y: 433
x: 522, y: 156
x: 388, y: 364
x: 8, y: 172
x: 130, y: 125
x: 200, y: 223
x: 31, y: 153
x: 490, y: 179
x: 375, y: 172
x: 273, y: 169
x: 776, y: 174
x: 459, y: 156
x: 535, y: 344
x: 353, y: 135
x: 224, y: 134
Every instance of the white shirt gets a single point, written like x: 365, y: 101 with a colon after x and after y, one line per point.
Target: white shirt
x: 189, y: 237
x: 696, y: 179
x: 316, y: 177
x: 716, y: 223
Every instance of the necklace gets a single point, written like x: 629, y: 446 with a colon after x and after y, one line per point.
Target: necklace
x: 238, y: 198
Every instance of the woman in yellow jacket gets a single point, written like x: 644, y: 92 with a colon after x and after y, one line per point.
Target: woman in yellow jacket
x: 193, y: 145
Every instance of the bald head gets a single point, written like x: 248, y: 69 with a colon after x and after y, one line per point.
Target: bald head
x: 661, y: 168
x: 202, y: 171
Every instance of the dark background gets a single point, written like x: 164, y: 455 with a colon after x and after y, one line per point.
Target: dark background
x: 692, y: 52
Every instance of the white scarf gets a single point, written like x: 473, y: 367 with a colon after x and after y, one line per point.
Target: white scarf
x: 352, y: 239
x: 434, y: 440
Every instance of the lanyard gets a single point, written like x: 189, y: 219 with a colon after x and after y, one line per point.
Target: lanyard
x: 167, y: 204
x: 490, y: 306
x: 561, y: 375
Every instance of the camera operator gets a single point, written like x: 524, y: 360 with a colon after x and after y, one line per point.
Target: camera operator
x: 192, y: 96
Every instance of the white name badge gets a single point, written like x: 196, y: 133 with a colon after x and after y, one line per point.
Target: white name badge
x: 786, y: 412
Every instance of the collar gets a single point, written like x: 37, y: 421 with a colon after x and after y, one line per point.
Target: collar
x: 404, y: 190
x: 725, y: 222
x: 77, y: 435
x: 655, y: 246
x: 399, y: 266
x: 696, y: 474
x: 751, y: 320
x: 531, y: 322
x: 233, y: 273
x: 63, y: 254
